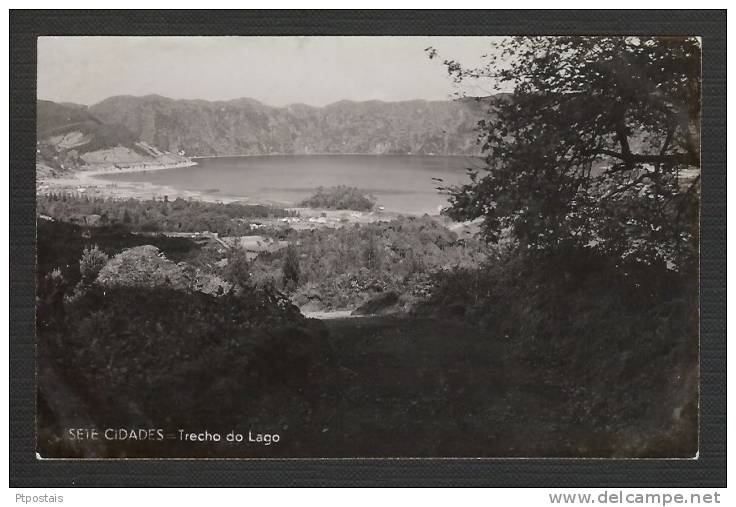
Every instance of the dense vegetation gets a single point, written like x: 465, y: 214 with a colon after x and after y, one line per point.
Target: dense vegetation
x: 153, y: 215
x: 340, y: 197
x: 341, y: 268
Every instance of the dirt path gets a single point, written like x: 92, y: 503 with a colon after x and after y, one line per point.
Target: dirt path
x: 335, y: 314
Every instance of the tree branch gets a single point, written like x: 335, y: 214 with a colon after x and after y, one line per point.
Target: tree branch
x: 635, y: 158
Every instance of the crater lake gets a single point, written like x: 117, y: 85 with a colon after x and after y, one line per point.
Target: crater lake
x: 400, y: 183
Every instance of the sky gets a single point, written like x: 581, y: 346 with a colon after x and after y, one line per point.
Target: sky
x: 274, y: 70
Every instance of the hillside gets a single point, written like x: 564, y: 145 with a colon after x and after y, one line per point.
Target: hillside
x: 126, y: 131
x: 247, y: 127
x: 69, y: 137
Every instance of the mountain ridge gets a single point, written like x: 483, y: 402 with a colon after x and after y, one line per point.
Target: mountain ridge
x: 246, y: 126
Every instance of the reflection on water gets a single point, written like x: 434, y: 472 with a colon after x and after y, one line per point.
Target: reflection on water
x: 401, y: 183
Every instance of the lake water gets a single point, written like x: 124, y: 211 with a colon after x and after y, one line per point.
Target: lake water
x: 400, y: 183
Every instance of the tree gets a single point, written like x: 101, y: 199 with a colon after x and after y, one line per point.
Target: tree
x: 598, y: 146
x: 291, y: 272
x: 238, y: 269
x: 372, y: 258
x: 91, y: 263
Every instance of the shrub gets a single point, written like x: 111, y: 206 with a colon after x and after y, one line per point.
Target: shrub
x: 50, y: 299
x: 143, y: 266
x: 158, y: 355
x: 92, y: 261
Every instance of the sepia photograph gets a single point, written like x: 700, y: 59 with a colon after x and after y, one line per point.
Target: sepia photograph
x: 368, y: 246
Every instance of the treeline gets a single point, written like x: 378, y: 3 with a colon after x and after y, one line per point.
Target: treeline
x: 340, y: 197
x: 179, y: 215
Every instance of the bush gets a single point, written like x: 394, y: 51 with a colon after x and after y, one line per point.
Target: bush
x: 143, y: 266
x: 189, y: 359
x: 92, y: 261
x: 50, y: 299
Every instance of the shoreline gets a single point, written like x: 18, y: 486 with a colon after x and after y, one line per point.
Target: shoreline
x: 89, y: 182
x: 136, y: 169
x: 330, y: 154
x: 131, y: 189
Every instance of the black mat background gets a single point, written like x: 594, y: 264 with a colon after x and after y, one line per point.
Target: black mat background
x: 707, y: 471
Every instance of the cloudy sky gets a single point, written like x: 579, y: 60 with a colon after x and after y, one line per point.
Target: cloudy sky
x: 274, y: 70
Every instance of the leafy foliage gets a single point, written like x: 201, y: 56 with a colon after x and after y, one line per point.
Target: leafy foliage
x: 92, y: 261
x: 143, y: 266
x: 291, y: 271
x: 598, y: 146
